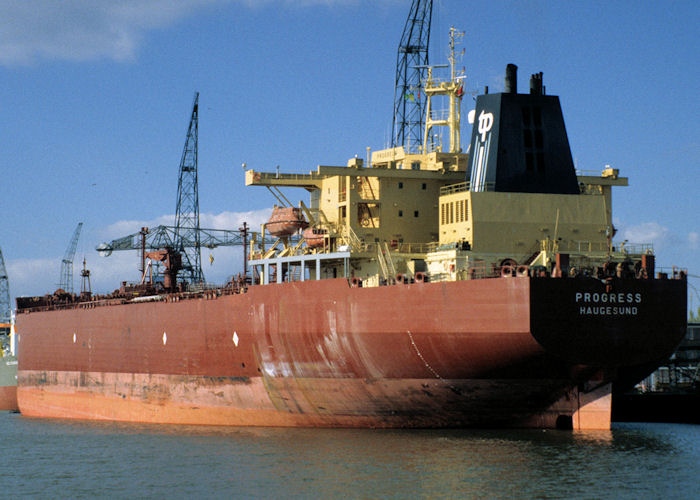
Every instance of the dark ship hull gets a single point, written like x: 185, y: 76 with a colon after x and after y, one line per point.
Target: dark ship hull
x: 514, y: 351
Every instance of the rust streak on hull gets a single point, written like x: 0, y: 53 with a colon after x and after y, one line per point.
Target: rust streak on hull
x: 303, y: 402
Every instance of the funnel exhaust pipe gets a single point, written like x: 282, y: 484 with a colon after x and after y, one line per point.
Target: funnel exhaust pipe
x: 511, y: 79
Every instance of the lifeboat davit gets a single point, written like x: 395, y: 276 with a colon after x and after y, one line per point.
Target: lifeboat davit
x: 314, y: 237
x: 286, y: 221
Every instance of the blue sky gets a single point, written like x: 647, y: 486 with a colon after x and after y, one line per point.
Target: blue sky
x: 96, y: 98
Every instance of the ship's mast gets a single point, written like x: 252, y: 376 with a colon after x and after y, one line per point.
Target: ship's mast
x: 454, y: 90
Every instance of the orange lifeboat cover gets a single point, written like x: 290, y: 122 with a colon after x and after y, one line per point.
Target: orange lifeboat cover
x: 286, y: 221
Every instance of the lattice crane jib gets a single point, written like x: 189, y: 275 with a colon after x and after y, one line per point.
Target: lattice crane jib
x: 187, y: 209
x: 5, y: 308
x: 65, y: 282
x: 162, y: 237
x: 411, y: 65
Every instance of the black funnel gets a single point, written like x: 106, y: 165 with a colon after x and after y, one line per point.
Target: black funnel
x: 511, y: 79
x: 519, y: 142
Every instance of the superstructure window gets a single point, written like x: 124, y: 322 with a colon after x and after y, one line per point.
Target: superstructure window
x: 400, y: 185
x: 424, y: 186
x: 400, y: 213
x: 415, y: 214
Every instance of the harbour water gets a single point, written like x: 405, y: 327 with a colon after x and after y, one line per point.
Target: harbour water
x: 75, y: 459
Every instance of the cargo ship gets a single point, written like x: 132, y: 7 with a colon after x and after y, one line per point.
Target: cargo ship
x: 8, y: 368
x: 429, y: 288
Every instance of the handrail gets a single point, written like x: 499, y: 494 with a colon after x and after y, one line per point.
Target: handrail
x: 462, y: 187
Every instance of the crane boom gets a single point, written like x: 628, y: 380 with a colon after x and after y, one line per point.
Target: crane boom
x: 5, y: 310
x: 65, y: 282
x: 187, y: 209
x: 411, y: 64
x: 161, y: 237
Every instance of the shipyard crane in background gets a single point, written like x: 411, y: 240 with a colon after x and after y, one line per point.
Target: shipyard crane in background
x: 161, y: 237
x: 5, y: 308
x: 187, y: 228
x: 186, y: 237
x: 65, y: 282
x: 411, y: 67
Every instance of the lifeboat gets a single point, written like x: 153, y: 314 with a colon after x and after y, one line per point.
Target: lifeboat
x: 314, y: 237
x: 286, y: 221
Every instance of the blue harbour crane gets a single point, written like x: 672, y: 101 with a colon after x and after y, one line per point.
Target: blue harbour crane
x: 411, y: 67
x: 187, y: 237
x: 65, y: 282
x: 5, y: 309
x: 187, y: 210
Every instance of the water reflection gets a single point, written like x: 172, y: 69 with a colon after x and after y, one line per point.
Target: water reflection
x: 631, y: 461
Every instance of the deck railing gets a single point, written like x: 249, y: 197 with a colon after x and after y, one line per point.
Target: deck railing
x: 462, y: 187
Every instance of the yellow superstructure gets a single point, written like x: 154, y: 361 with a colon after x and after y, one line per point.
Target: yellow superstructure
x: 413, y: 215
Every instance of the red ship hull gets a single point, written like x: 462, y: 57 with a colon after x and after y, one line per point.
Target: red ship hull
x: 515, y: 352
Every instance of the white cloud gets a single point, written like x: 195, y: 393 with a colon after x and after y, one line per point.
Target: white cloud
x: 223, y: 220
x: 79, y: 30
x: 647, y: 232
x: 694, y: 240
x: 32, y: 276
x: 76, y: 30
x: 127, y: 227
x: 29, y: 277
x: 41, y: 276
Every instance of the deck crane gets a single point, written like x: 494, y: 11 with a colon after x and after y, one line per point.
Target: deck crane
x: 66, y: 280
x: 187, y: 210
x: 411, y: 66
